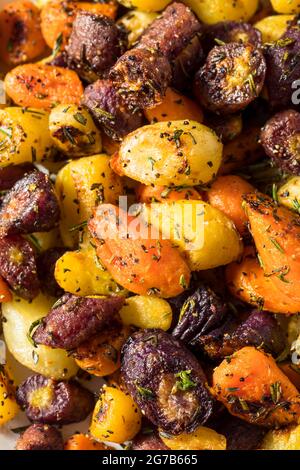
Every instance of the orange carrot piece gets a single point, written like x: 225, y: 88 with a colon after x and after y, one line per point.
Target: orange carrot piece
x: 28, y: 43
x: 83, y: 442
x: 247, y: 281
x: 175, y: 107
x: 276, y: 233
x: 142, y: 265
x: 251, y: 385
x: 43, y: 86
x: 226, y: 194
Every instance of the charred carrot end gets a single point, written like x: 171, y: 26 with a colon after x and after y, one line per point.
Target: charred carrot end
x: 148, y: 194
x: 141, y: 264
x: 251, y: 385
x: 246, y: 280
x: 175, y: 107
x: 276, y: 233
x: 43, y: 86
x: 57, y: 18
x: 83, y: 442
x: 5, y: 294
x: 20, y: 44
x: 226, y: 194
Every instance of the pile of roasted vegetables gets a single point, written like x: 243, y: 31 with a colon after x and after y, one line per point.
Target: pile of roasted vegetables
x: 169, y: 106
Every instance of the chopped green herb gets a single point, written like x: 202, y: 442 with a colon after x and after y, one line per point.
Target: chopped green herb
x: 250, y: 81
x: 277, y: 245
x: 184, y: 383
x: 58, y: 44
x: 31, y: 330
x: 80, y: 118
x: 296, y: 205
x: 78, y: 226
x: 152, y: 162
x: 145, y: 392
x: 276, y: 392
x: 219, y: 42
x: 182, y: 281
x: 68, y: 135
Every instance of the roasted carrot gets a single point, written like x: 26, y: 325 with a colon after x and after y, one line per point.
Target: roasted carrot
x: 100, y: 355
x: 20, y: 32
x: 43, y: 86
x: 5, y: 294
x: 251, y: 385
x: 57, y: 18
x: 175, y: 107
x: 247, y: 281
x: 83, y: 442
x: 276, y: 233
x: 147, y: 194
x: 142, y: 265
x: 226, y: 194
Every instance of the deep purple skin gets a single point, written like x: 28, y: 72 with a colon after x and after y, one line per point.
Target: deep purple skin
x: 211, y: 87
x: 239, y: 434
x: 170, y: 33
x: 280, y: 139
x: 46, y: 266
x: 95, y: 44
x: 18, y: 266
x: 30, y: 206
x: 207, y: 326
x: 230, y: 31
x: 202, y: 312
x: 150, y: 441
x: 9, y: 175
x: 150, y: 360
x: 142, y: 76
x: 260, y: 329
x: 40, y: 437
x: 72, y: 320
x: 70, y: 403
x: 283, y: 68
x: 186, y: 64
x: 117, y: 120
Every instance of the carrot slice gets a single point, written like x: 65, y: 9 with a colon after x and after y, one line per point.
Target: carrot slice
x: 251, y: 385
x: 138, y: 263
x: 175, y: 107
x: 83, y: 442
x: 43, y: 86
x: 20, y: 32
x: 226, y: 194
x: 276, y: 233
x: 247, y: 281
